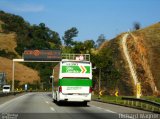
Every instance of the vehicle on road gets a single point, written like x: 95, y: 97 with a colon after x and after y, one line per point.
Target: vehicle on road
x: 6, y: 89
x: 73, y: 79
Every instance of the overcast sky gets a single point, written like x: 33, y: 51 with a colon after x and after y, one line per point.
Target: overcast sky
x: 91, y: 17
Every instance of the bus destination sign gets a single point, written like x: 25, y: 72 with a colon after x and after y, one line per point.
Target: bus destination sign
x: 42, y: 55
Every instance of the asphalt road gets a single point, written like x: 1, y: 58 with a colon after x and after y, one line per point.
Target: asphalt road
x: 40, y: 106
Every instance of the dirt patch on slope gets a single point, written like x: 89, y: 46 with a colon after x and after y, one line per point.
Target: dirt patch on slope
x: 22, y: 73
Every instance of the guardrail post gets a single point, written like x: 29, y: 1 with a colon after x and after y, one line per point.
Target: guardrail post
x: 128, y: 102
x: 141, y: 105
x: 152, y: 108
x: 136, y: 103
x: 147, y: 106
x: 132, y: 103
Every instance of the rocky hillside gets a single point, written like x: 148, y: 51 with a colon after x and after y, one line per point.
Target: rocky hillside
x: 144, y: 49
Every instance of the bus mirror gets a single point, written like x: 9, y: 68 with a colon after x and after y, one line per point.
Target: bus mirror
x: 94, y: 67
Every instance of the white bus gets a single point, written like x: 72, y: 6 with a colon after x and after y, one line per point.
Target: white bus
x: 73, y: 80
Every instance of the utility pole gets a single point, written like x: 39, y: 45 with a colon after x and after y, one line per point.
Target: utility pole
x: 13, y: 67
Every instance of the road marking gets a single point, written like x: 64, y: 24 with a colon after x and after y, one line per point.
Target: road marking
x: 52, y: 109
x: 103, y: 109
x: 47, y: 102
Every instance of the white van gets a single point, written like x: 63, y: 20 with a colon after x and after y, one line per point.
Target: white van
x: 6, y: 88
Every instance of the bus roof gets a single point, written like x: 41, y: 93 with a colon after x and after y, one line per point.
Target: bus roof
x: 6, y: 86
x: 76, y: 57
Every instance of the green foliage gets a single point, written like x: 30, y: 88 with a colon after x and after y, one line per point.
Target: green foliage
x: 69, y: 35
x: 9, y: 55
x: 105, y: 61
x: 80, y: 47
x: 44, y: 69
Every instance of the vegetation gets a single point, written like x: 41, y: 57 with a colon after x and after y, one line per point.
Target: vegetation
x: 69, y: 35
x: 136, y: 26
x: 150, y: 37
x: 9, y: 55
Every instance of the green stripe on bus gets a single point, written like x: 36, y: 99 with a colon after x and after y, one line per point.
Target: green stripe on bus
x: 75, y: 69
x: 75, y: 82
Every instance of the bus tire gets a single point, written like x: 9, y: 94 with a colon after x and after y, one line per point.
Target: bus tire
x: 55, y: 101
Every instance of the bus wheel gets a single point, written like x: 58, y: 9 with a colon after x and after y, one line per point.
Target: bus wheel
x: 55, y: 101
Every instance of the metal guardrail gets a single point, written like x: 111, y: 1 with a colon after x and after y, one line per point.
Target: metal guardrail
x: 144, y: 104
x: 142, y: 100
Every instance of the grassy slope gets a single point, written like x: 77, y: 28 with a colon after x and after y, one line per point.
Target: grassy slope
x: 8, y: 42
x: 23, y: 73
x: 151, y: 35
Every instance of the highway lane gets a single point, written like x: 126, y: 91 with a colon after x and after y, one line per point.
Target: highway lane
x: 41, y: 106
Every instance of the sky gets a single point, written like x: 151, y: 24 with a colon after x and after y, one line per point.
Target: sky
x: 90, y: 17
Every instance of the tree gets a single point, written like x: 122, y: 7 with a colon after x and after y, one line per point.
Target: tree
x: 136, y: 26
x: 78, y: 47
x: 88, y: 45
x: 100, y: 40
x: 69, y: 35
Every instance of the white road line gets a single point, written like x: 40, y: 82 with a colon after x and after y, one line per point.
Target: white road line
x: 110, y: 111
x: 47, y: 102
x: 52, y: 109
x: 103, y: 109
